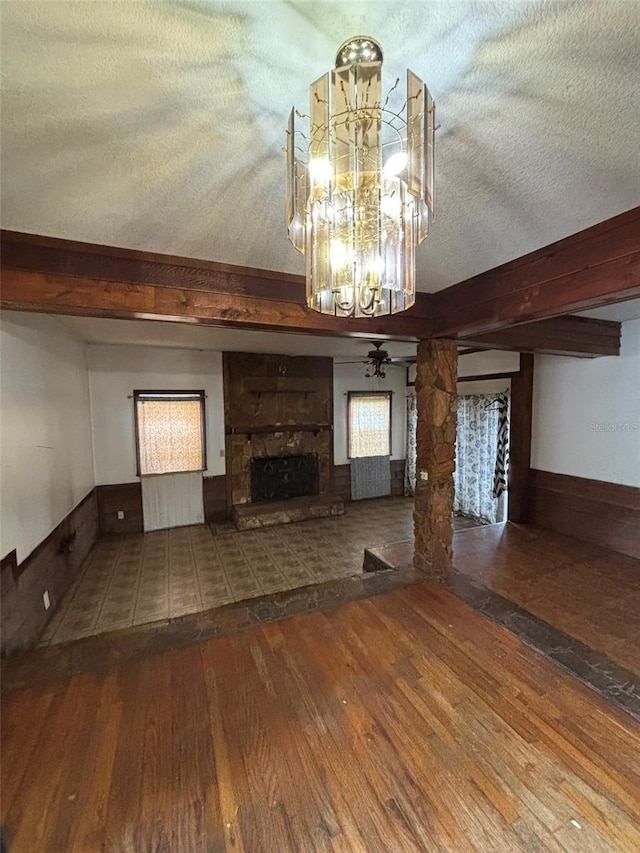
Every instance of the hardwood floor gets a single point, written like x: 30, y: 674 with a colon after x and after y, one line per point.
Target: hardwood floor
x: 588, y: 592
x: 404, y: 722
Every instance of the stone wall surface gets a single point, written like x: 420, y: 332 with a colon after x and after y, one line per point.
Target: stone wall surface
x: 436, y: 376
x: 264, y: 392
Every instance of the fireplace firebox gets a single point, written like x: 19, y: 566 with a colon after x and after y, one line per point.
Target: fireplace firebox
x: 279, y: 478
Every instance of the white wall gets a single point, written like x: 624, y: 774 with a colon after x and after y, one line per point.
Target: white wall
x: 489, y: 361
x: 586, y: 414
x: 114, y: 373
x: 45, y: 459
x: 485, y: 386
x: 350, y: 377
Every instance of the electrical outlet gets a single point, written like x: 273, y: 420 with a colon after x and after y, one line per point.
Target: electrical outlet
x: 46, y: 600
x: 424, y: 475
x: 222, y: 453
x: 120, y: 515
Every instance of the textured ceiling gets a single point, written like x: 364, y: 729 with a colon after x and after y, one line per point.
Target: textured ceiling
x: 159, y: 126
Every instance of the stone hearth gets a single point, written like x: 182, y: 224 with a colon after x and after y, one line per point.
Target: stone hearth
x: 252, y: 516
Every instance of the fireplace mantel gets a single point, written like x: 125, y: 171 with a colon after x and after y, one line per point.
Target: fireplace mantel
x: 271, y: 428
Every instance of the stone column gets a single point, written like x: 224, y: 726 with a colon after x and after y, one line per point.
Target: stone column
x: 436, y: 377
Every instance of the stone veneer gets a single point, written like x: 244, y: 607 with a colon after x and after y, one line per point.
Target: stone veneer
x: 436, y: 376
x: 276, y: 406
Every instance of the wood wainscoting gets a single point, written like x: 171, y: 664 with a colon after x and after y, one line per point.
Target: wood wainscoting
x: 51, y: 566
x: 127, y: 498
x: 215, y: 498
x: 605, y: 514
x: 120, y: 497
x: 342, y: 480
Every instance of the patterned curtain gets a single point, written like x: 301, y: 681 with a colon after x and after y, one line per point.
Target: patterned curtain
x: 410, y: 461
x: 502, y: 454
x: 482, y: 421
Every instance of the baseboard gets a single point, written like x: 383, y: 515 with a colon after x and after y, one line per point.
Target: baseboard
x: 595, y: 511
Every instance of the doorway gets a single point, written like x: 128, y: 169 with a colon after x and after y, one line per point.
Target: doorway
x: 482, y: 456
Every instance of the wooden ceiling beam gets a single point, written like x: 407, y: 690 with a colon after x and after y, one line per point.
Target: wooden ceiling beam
x: 595, y: 267
x: 49, y: 275
x: 576, y: 336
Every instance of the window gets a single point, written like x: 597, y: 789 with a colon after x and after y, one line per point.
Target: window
x: 170, y: 431
x: 369, y: 424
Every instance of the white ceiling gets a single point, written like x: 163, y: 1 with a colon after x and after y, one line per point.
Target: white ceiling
x: 159, y: 126
x: 155, y: 333
x: 185, y: 336
x: 621, y: 311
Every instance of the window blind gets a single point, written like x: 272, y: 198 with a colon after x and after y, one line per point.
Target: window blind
x: 369, y: 425
x: 170, y: 435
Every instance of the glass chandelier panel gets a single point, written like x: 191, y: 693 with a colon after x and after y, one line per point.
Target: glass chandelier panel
x: 360, y: 186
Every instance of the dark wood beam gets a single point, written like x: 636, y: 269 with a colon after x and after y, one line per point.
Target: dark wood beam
x: 520, y: 418
x: 577, y: 336
x: 50, y: 275
x: 595, y: 267
x: 484, y: 377
x: 462, y: 350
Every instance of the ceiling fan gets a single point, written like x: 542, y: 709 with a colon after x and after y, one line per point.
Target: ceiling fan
x: 376, y: 361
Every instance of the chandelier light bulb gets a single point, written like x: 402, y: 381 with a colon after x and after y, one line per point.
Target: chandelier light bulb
x: 360, y: 186
x: 395, y: 164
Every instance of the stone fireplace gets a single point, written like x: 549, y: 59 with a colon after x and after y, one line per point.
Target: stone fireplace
x: 278, y: 408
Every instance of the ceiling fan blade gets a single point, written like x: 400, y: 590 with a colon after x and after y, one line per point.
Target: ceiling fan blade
x: 357, y: 361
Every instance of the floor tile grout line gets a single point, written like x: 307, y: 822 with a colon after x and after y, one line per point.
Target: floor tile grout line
x: 137, y: 592
x: 54, y: 639
x: 116, y: 571
x: 194, y: 567
x: 287, y: 538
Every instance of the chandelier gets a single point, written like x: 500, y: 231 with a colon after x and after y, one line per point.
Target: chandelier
x: 360, y: 186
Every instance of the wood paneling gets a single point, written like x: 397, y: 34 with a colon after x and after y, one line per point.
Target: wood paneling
x: 52, y: 566
x: 487, y: 377
x: 520, y: 417
x: 577, y: 336
x: 605, y: 514
x: 127, y: 497
x: 406, y: 722
x: 60, y: 276
x: 215, y: 498
x: 342, y: 479
x: 120, y: 497
x: 595, y: 267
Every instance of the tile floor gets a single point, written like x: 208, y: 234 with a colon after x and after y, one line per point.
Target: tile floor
x: 139, y: 578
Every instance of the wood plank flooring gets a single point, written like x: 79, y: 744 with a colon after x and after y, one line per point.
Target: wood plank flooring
x: 586, y: 591
x: 404, y: 722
